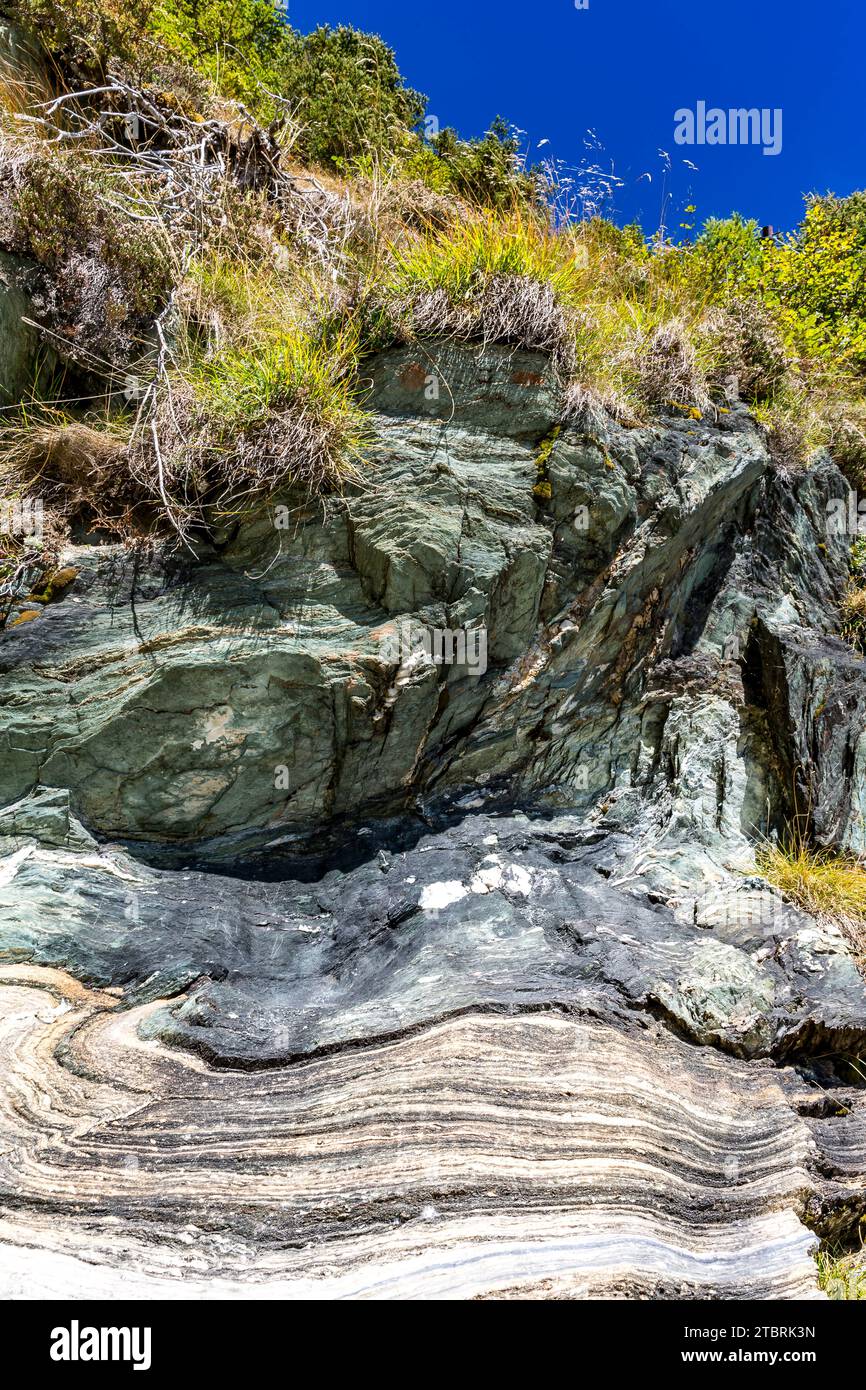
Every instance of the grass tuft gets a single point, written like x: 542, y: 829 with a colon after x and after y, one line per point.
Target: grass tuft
x: 842, y: 1275
x: 826, y: 884
x: 509, y: 279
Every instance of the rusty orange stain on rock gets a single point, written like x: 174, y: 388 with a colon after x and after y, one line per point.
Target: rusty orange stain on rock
x: 413, y: 377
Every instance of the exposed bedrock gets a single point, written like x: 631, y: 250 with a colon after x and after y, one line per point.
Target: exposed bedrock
x: 508, y: 914
x: 486, y: 1156
x: 669, y: 576
x: 499, y: 913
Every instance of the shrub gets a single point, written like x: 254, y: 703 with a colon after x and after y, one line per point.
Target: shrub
x: 342, y: 86
x: 727, y: 256
x: 818, y: 277
x: 106, y: 274
x: 242, y: 48
x: 487, y: 172
x: 348, y: 95
x: 84, y: 37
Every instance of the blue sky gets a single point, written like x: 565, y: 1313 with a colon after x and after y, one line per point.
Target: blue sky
x: 623, y: 68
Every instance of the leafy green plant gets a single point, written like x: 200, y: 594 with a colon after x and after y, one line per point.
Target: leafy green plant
x: 242, y: 48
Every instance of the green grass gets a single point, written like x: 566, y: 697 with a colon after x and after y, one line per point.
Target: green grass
x: 461, y: 262
x: 841, y: 1275
x: 242, y: 388
x: 261, y: 392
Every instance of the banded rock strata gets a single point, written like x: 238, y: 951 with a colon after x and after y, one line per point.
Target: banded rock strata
x: 488, y: 999
x: 480, y: 1156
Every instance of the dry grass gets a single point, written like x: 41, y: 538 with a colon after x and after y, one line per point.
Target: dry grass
x: 854, y: 616
x: 53, y: 450
x: 745, y: 349
x: 77, y: 467
x: 829, y: 886
x: 661, y: 364
x: 23, y: 85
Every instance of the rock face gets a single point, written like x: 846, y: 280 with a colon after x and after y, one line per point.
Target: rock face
x: 292, y: 856
x: 499, y: 1182
x: 164, y: 697
x: 499, y: 913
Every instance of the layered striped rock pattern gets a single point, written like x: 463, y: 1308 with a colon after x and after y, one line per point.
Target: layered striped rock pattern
x: 474, y: 1068
x: 536, y: 1155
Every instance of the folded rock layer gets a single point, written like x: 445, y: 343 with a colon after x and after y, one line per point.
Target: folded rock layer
x: 483, y: 1155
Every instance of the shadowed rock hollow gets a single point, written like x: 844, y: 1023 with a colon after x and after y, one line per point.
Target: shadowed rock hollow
x: 474, y: 970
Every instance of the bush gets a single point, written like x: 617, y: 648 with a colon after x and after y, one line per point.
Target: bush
x: 487, y: 172
x: 814, y: 280
x: 818, y: 278
x: 348, y: 96
x: 84, y: 37
x: 242, y: 48
x: 106, y: 275
x: 727, y: 257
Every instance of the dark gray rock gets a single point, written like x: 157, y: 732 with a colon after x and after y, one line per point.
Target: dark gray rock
x: 497, y: 914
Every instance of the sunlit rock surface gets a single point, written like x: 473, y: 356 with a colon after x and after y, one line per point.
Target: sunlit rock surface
x: 536, y: 1154
x: 328, y: 970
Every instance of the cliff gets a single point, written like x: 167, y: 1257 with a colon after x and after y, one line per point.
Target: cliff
x: 354, y: 960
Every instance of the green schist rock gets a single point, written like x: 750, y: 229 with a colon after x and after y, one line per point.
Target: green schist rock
x: 165, y: 699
